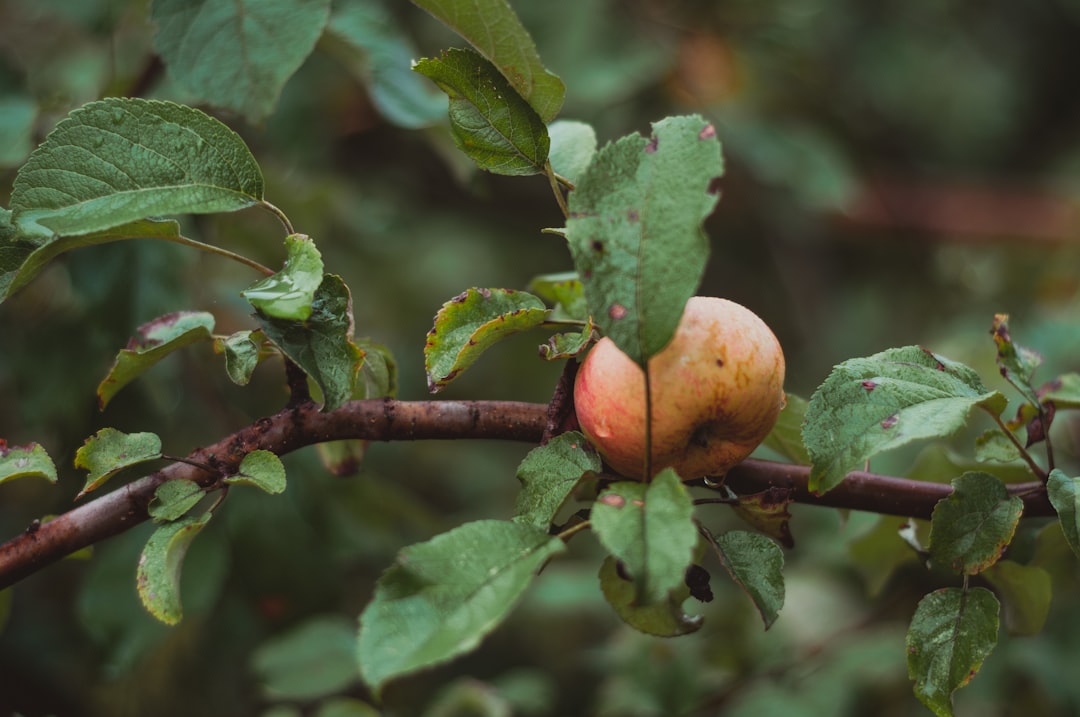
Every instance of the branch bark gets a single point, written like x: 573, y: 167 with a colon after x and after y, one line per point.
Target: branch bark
x: 387, y: 420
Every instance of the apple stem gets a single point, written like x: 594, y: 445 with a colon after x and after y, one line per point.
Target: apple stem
x: 648, y: 425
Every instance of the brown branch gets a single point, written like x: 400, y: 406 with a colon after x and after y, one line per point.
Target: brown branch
x: 387, y: 420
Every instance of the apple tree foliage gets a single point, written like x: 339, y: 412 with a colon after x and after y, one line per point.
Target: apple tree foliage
x: 634, y: 207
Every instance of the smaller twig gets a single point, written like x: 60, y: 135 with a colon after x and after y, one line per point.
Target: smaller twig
x: 1035, y: 467
x: 279, y: 214
x: 211, y: 249
x: 553, y: 179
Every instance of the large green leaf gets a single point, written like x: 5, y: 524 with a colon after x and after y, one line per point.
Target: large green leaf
x: 950, y: 635
x: 157, y: 577
x: 549, y: 474
x: 156, y: 339
x: 288, y: 293
x: 490, y: 122
x: 492, y: 27
x: 870, y: 405
x: 1064, y: 494
x: 756, y: 565
x: 441, y: 597
x: 971, y: 528
x: 635, y: 230
x: 119, y: 160
x: 364, y: 36
x: 472, y: 322
x: 237, y: 54
x: 39, y: 255
x: 650, y: 528
x: 29, y: 461
x: 322, y: 345
x: 110, y: 451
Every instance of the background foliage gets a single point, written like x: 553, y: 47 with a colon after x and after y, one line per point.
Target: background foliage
x: 896, y: 174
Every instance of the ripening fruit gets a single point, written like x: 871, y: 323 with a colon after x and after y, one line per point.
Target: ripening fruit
x: 717, y: 390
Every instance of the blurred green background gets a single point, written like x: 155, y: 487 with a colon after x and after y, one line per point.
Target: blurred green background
x: 896, y: 173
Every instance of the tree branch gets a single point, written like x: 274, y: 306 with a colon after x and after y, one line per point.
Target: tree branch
x: 388, y: 420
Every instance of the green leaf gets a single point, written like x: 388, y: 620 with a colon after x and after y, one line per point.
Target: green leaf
x: 472, y: 322
x: 489, y: 121
x: 494, y: 30
x: 29, y: 461
x: 994, y: 445
x: 549, y: 474
x: 15, y: 249
x: 345, y: 707
x: 635, y: 230
x: 242, y: 354
x: 261, y: 469
x: 441, y: 597
x: 786, y: 436
x: 1064, y: 494
x: 365, y: 37
x: 565, y: 292
x: 970, y: 529
x: 322, y: 344
x: 110, y: 451
x: 315, y: 659
x: 40, y: 255
x: 568, y: 344
x: 1026, y: 591
x: 1017, y: 363
x: 237, y: 55
x: 156, y: 339
x: 874, y: 404
x: 119, y: 160
x: 157, y: 576
x: 950, y: 635
x: 1063, y: 392
x: 378, y: 375
x: 342, y: 458
x: 173, y: 498
x: 663, y: 619
x: 650, y: 528
x: 756, y: 565
x: 288, y: 293
x: 573, y: 145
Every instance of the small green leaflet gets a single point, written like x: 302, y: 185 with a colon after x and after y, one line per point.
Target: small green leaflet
x: 378, y: 375
x: 156, y: 339
x: 288, y: 293
x: 563, y: 291
x: 663, y: 619
x: 157, y: 577
x: 110, y: 451
x: 568, y: 344
x: 1064, y: 493
x: 472, y: 322
x: 549, y: 474
x: 1026, y: 591
x: 870, y: 405
x: 786, y: 436
x: 756, y: 565
x: 950, y: 635
x: 29, y: 461
x: 650, y: 528
x: 441, y: 597
x: 635, y: 230
x: 1017, y: 363
x: 39, y: 256
x: 489, y: 121
x: 323, y: 344
x: 173, y: 498
x: 242, y: 354
x: 237, y: 55
x: 125, y: 159
x: 365, y: 37
x: 315, y: 659
x: 494, y: 30
x: 970, y: 529
x: 573, y: 145
x: 767, y: 512
x: 261, y: 469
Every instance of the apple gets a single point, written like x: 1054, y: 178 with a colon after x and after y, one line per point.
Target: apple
x: 717, y: 390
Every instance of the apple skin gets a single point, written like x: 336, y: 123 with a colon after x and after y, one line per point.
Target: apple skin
x: 717, y: 390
